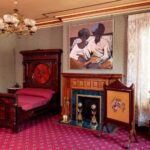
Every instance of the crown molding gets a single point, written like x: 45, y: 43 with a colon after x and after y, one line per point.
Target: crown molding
x: 49, y: 23
x: 111, y: 10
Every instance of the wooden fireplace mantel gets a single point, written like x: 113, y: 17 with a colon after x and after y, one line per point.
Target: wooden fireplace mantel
x: 93, y: 82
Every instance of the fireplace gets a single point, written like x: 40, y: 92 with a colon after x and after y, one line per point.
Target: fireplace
x: 74, y: 85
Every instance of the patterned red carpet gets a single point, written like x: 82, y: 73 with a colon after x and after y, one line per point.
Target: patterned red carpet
x: 47, y: 134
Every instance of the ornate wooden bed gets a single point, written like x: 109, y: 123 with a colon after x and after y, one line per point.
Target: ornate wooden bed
x: 41, y: 73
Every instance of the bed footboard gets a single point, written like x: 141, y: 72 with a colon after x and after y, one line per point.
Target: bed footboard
x: 12, y: 116
x: 8, y: 111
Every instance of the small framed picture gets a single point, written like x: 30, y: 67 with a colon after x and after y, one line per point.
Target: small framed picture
x: 91, y: 45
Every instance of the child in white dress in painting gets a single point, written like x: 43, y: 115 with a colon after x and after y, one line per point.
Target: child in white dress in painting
x: 77, y: 55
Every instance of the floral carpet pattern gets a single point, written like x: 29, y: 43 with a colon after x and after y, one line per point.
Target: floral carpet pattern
x: 45, y: 133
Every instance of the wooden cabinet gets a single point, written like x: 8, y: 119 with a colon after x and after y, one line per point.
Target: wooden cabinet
x: 94, y: 82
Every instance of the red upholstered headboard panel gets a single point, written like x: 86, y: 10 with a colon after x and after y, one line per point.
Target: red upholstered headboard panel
x: 42, y: 68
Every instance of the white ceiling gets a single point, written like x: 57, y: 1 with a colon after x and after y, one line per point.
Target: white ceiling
x: 42, y: 10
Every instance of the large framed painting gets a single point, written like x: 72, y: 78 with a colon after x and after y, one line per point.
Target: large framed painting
x: 91, y: 45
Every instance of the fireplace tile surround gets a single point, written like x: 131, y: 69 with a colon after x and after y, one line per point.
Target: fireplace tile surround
x: 88, y: 84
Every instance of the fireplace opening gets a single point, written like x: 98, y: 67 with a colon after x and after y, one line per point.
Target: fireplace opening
x: 86, y: 98
x: 87, y: 102
x: 88, y: 111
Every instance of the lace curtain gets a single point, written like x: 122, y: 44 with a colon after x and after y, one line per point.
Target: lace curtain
x: 138, y: 65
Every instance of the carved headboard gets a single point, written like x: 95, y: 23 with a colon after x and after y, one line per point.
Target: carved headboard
x: 42, y: 68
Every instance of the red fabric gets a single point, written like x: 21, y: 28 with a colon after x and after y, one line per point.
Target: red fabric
x: 27, y: 102
x: 46, y: 93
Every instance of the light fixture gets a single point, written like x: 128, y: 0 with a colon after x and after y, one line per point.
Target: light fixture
x: 16, y: 23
